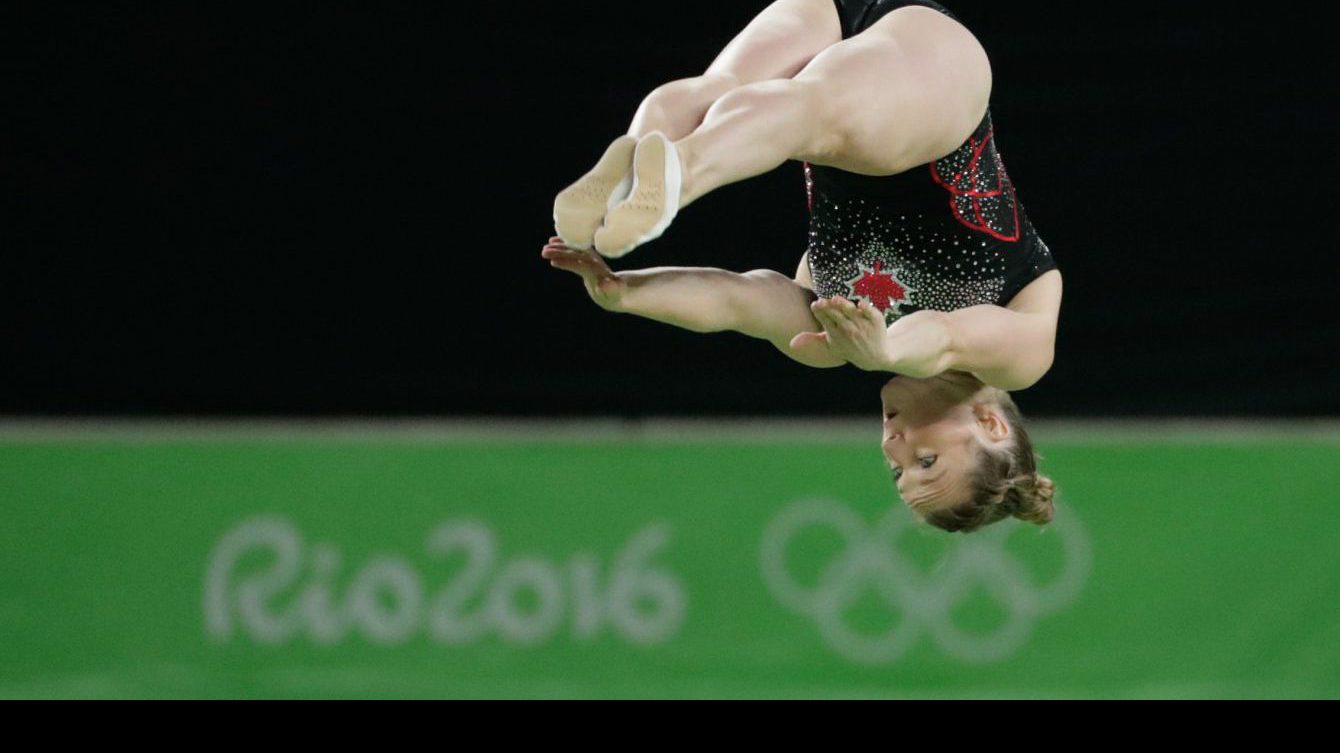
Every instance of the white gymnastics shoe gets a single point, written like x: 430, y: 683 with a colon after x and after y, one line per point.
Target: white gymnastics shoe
x: 652, y: 203
x: 580, y: 208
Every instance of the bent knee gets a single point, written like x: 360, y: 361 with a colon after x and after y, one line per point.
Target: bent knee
x: 805, y: 104
x: 695, y: 91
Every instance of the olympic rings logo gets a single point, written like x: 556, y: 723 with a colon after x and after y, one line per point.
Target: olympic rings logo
x: 923, y: 601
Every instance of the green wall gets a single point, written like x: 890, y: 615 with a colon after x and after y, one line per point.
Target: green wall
x: 320, y: 566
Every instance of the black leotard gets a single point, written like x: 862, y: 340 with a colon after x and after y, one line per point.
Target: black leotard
x: 943, y: 236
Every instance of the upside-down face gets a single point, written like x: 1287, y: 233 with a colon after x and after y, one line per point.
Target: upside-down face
x: 934, y: 430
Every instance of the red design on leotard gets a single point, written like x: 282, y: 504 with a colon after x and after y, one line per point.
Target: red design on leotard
x: 981, y: 180
x: 880, y: 288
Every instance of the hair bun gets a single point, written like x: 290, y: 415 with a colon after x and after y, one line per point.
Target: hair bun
x: 1035, y: 500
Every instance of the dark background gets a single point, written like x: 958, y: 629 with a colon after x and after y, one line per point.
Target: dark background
x: 338, y: 208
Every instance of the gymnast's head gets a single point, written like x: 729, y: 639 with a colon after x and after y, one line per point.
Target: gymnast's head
x: 959, y: 453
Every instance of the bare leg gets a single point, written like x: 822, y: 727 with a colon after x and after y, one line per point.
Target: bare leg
x: 754, y: 129
x: 908, y: 90
x: 776, y: 44
x: 781, y: 40
x: 751, y: 130
x: 676, y: 108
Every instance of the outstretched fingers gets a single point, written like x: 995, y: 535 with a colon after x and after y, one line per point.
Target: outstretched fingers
x: 842, y: 311
x: 847, y: 309
x: 564, y: 258
x: 561, y: 257
x: 833, y: 313
x: 556, y: 247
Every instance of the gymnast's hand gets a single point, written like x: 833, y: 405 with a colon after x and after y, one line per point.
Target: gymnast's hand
x: 853, y: 332
x: 605, y: 287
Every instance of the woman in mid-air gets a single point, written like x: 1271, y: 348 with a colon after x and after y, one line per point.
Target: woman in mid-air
x: 920, y: 262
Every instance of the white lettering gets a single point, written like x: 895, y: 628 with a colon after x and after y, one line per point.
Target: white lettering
x: 264, y: 582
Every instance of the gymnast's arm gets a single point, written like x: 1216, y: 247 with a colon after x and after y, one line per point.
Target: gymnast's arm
x: 1008, y: 349
x: 763, y: 304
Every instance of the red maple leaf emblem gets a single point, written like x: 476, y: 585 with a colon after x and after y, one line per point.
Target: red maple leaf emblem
x: 880, y: 288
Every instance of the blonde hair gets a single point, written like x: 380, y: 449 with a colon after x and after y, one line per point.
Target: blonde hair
x: 1005, y: 483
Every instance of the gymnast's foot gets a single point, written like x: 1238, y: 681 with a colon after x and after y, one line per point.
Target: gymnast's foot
x: 653, y: 202
x: 579, y: 208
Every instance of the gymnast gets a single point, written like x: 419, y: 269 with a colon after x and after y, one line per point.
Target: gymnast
x: 921, y: 260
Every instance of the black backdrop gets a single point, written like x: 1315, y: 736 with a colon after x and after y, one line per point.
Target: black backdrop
x: 337, y: 208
